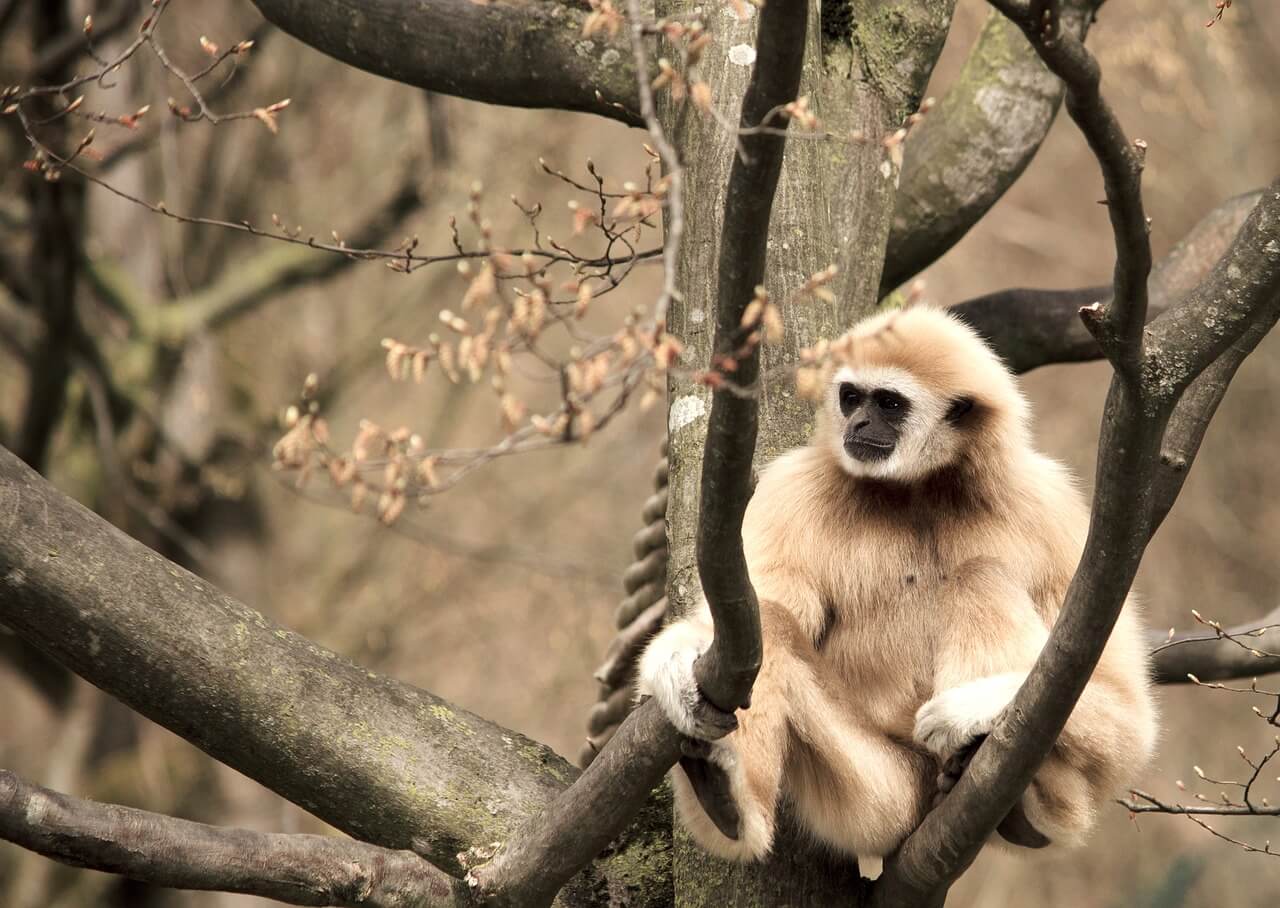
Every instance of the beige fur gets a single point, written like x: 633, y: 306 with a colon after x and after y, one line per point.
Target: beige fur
x: 902, y: 603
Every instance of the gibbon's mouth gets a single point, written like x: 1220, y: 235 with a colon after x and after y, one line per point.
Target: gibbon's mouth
x: 868, y: 449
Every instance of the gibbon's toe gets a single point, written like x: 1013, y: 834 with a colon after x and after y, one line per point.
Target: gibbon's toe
x: 1016, y: 829
x: 710, y: 783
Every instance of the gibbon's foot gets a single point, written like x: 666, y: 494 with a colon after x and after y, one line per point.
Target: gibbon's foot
x: 1015, y: 828
x: 710, y: 782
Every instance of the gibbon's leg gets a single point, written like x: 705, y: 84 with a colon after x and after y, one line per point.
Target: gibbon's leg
x: 727, y: 786
x: 850, y: 787
x: 994, y: 634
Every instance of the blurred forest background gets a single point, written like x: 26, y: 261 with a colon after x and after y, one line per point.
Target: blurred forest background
x: 499, y: 595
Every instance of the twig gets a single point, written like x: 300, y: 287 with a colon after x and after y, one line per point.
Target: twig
x: 670, y: 161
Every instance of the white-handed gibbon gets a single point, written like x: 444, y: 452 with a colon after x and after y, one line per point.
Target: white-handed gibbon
x: 908, y: 562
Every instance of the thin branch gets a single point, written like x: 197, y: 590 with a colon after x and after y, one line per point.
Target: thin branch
x: 56, y: 54
x: 673, y: 225
x: 1151, y: 804
x: 166, y: 851
x: 1117, y: 326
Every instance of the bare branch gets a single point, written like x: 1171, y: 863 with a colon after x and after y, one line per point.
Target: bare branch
x: 522, y: 54
x: 1030, y: 328
x: 166, y: 851
x: 727, y: 670
x: 974, y: 145
x: 1151, y: 804
x: 674, y: 170
x: 65, y: 48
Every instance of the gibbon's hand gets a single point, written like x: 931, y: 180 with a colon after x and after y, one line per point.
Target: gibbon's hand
x: 958, y: 717
x: 671, y: 682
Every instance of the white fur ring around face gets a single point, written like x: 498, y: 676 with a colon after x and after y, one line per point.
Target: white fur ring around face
x: 955, y: 717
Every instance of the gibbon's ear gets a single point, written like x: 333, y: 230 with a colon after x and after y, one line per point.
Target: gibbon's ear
x: 958, y: 409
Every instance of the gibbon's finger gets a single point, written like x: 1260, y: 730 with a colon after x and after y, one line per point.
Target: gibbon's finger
x: 711, y: 722
x: 711, y: 785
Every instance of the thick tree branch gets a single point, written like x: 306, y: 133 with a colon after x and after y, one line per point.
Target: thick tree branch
x: 383, y: 761
x: 1030, y: 328
x: 1242, y: 293
x: 524, y: 53
x: 963, y: 157
x: 153, y: 848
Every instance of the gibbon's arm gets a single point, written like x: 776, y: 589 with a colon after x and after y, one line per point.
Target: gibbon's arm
x: 992, y: 636
x: 989, y: 637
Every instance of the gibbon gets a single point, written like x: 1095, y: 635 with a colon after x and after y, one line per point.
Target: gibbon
x: 909, y: 562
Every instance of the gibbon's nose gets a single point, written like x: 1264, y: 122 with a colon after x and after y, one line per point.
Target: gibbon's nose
x: 861, y: 424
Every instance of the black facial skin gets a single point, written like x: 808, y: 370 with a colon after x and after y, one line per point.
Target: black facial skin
x: 873, y: 420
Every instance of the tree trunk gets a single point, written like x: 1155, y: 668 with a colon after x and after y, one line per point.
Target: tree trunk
x: 866, y: 66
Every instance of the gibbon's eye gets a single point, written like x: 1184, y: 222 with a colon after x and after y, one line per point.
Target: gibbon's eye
x: 850, y: 397
x: 890, y: 401
x: 959, y: 407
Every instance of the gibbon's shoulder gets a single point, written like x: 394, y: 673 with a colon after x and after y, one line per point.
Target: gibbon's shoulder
x: 808, y: 469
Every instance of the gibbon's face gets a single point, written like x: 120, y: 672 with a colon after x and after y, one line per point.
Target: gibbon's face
x: 892, y: 426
